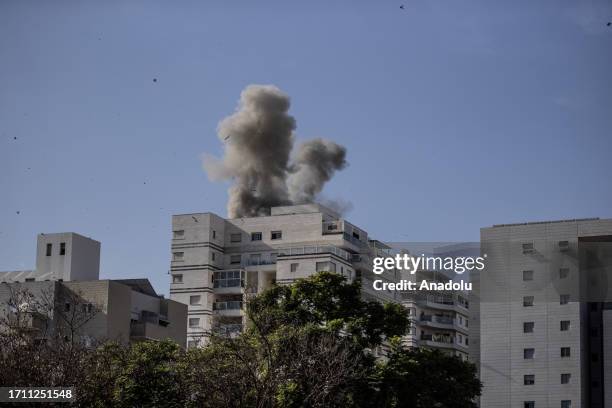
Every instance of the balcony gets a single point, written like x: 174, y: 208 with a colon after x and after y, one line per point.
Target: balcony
x: 228, y: 281
x: 228, y: 308
x: 147, y: 331
x: 314, y: 249
x: 440, y: 341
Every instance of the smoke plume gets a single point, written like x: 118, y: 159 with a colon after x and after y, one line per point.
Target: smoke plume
x: 258, y: 142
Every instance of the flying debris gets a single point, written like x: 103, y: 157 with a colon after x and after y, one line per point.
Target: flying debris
x: 261, y: 162
x: 18, y: 212
x: 609, y: 23
x: 154, y: 79
x: 402, y: 6
x: 14, y: 137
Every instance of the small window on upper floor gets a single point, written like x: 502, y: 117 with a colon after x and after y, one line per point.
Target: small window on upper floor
x: 563, y: 246
x: 527, y: 301
x: 255, y: 236
x: 528, y: 353
x: 276, y: 235
x: 565, y: 378
x: 294, y: 267
x: 527, y: 275
x: 564, y: 325
x: 563, y: 273
x: 565, y: 352
x: 529, y: 379
x: 195, y: 300
x: 178, y: 234
x: 214, y: 234
x: 564, y: 299
x: 178, y: 256
x: 212, y: 255
x: 235, y: 259
x: 194, y: 322
x: 528, y: 327
x: 236, y: 237
x: 566, y: 404
x: 529, y: 404
x: 62, y: 248
x: 178, y: 278
x: 49, y: 249
x: 30, y: 279
x: 528, y: 248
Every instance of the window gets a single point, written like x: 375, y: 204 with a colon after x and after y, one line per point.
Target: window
x: 62, y: 248
x: 30, y: 279
x: 294, y: 267
x: 178, y: 256
x: 565, y: 352
x: 236, y: 237
x: 563, y: 273
x: 528, y: 327
x: 49, y: 249
x: 214, y: 234
x: 527, y: 301
x: 194, y: 322
x: 529, y: 379
x: 235, y: 259
x: 529, y: 404
x: 192, y: 344
x: 178, y: 234
x: 566, y: 404
x: 564, y: 299
x: 565, y: 378
x: 528, y: 353
x: 177, y: 278
x: 563, y: 246
x: 527, y: 275
x: 86, y: 308
x: 227, y: 279
x: 356, y: 235
x: 255, y: 236
x: 195, y: 300
x: 255, y: 259
x: 277, y: 235
x: 528, y: 248
x: 325, y: 267
x: 565, y: 325
x: 212, y: 254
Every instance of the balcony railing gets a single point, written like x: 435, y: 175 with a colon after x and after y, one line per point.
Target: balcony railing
x: 228, y: 305
x: 437, y: 319
x: 438, y: 339
x: 314, y: 249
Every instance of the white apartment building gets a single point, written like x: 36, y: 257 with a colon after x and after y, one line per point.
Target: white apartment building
x: 438, y: 319
x: 216, y: 262
x: 543, y: 315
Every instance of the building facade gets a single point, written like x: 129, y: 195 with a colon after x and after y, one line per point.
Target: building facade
x: 66, y: 290
x: 216, y: 262
x: 542, y: 315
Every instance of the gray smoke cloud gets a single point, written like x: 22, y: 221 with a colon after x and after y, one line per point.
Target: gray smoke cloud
x: 258, y: 142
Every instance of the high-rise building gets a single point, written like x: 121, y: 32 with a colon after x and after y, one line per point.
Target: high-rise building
x: 216, y: 262
x: 541, y: 315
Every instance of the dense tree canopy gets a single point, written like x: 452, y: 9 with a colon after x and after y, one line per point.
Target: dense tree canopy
x: 315, y: 343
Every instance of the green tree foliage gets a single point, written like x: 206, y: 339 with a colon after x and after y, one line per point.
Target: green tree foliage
x: 315, y: 343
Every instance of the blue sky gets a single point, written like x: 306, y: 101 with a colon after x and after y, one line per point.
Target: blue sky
x: 456, y: 115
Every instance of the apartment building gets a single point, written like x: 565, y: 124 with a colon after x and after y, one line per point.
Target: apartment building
x: 542, y: 315
x: 216, y: 262
x: 65, y: 286
x: 438, y: 319
x: 117, y: 310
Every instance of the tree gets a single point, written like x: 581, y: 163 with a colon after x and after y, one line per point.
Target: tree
x: 421, y: 378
